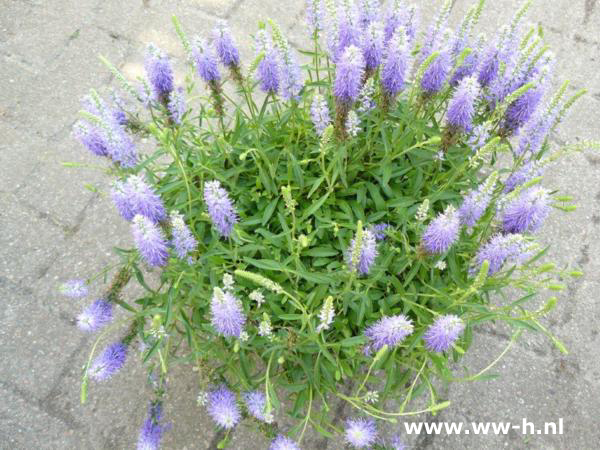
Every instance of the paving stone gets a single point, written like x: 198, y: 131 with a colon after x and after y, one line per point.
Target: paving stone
x: 29, y: 241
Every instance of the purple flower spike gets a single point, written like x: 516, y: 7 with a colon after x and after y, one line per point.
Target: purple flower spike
x: 152, y: 429
x: 150, y: 241
x: 488, y: 66
x: 368, y: 12
x: 466, y: 69
x: 349, y: 75
x: 436, y: 74
x: 109, y: 362
x: 74, y: 289
x: 227, y: 313
x: 223, y: 407
x: 142, y: 199
x: 360, y: 433
x: 291, y: 76
x: 442, y: 232
x: 183, y: 241
x: 522, y: 109
x: 476, y: 202
x: 268, y: 71
x: 205, y: 61
x: 478, y: 137
x: 396, y: 64
x: 256, y: 403
x: 372, y: 45
x: 282, y: 442
x: 399, y: 15
x: 380, y: 231
x: 534, y: 133
x: 95, y: 316
x: 527, y: 212
x: 527, y: 172
x: 501, y: 249
x: 121, y: 200
x: 461, y: 108
x: 177, y: 106
x: 368, y: 253
x: 106, y: 136
x: 440, y: 336
x: 319, y: 112
x: 348, y: 36
x: 159, y: 71
x: 220, y: 208
x: 314, y: 15
x: 389, y: 330
x: 91, y: 138
x: 226, y: 48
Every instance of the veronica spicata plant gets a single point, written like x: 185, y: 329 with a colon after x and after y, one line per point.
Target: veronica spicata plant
x: 331, y: 231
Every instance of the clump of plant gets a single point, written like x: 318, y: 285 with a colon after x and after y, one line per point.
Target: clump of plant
x: 344, y: 223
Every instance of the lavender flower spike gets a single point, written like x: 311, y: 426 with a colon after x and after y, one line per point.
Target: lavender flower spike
x: 122, y: 200
x: 360, y: 433
x: 461, y: 108
x: 521, y: 110
x: 478, y: 137
x: 226, y: 48
x: 349, y: 75
x: 177, y: 106
x: 314, y: 15
x: 389, y: 330
x: 150, y: 241
x: 291, y: 77
x: 319, y: 112
x: 220, y: 208
x: 183, y: 241
x: 91, y: 138
x: 159, y: 71
x: 223, y: 407
x: 205, y: 61
x: 380, y: 231
x: 527, y: 172
x: 477, y: 201
x: 395, y: 64
x: 501, y: 249
x: 437, y: 72
x: 95, y: 316
x: 442, y: 232
x: 488, y: 66
x: 372, y: 46
x: 282, y: 442
x: 367, y: 252
x: 109, y: 362
x: 152, y: 430
x: 527, y: 212
x: 106, y: 136
x: 143, y: 199
x: 268, y: 72
x: 256, y: 403
x: 74, y: 289
x: 440, y: 336
x: 227, y: 313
